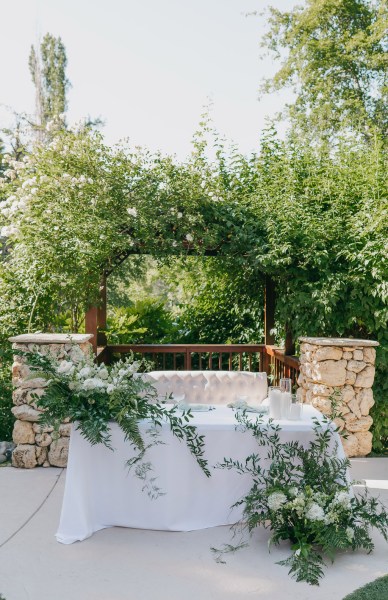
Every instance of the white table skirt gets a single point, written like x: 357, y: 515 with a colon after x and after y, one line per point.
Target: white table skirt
x: 101, y: 492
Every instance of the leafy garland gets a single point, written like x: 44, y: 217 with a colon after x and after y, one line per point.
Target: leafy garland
x: 91, y: 396
x: 304, y: 496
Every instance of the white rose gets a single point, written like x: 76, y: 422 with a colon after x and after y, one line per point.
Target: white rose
x: 189, y: 237
x: 92, y: 384
x: 103, y: 373
x: 132, y: 212
x: 110, y: 388
x: 343, y: 499
x: 276, y: 500
x: 65, y: 367
x: 85, y: 372
x: 315, y: 512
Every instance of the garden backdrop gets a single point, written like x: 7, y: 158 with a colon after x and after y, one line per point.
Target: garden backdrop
x: 309, y: 209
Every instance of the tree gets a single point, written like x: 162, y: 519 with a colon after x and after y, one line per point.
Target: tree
x: 334, y: 56
x: 48, y: 71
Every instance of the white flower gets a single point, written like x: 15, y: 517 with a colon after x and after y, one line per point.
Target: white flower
x: 132, y: 212
x: 65, y: 367
x: 276, y: 500
x: 8, y: 230
x: 110, y: 388
x: 92, y: 384
x: 343, y: 499
x: 180, y: 215
x: 76, y: 354
x: 103, y: 373
x: 315, y: 513
x: 349, y: 533
x: 85, y: 372
x: 189, y: 237
x: 293, y: 491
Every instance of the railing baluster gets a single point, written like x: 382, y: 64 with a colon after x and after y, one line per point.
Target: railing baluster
x: 260, y: 357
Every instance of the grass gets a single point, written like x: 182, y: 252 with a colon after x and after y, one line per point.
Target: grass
x: 377, y: 590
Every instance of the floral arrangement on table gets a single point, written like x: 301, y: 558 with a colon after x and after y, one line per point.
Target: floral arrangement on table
x: 302, y: 494
x: 91, y: 395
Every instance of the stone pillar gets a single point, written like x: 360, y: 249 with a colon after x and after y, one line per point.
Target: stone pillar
x: 37, y: 445
x: 346, y: 365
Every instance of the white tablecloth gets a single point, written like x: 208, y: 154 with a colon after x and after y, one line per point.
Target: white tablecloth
x: 101, y: 492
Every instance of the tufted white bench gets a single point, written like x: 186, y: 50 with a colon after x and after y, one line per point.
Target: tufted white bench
x: 210, y: 387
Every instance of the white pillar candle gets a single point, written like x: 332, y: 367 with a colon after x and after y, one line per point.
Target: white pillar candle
x: 285, y: 404
x: 275, y: 397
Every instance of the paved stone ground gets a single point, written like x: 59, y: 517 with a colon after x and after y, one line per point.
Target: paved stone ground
x: 130, y: 564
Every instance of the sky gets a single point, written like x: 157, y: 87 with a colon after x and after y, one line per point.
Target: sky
x: 148, y: 67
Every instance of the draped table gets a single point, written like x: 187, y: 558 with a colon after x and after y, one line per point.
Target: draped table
x: 101, y: 491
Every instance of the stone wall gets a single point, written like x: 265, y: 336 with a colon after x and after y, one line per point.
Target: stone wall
x: 346, y: 365
x: 37, y: 445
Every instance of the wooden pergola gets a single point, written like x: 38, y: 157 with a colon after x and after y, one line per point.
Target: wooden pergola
x: 96, y: 324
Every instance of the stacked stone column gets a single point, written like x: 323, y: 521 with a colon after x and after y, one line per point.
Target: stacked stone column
x: 346, y: 365
x: 37, y: 445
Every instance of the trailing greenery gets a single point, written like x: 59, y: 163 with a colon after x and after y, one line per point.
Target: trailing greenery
x: 376, y: 590
x: 92, y: 395
x: 301, y: 493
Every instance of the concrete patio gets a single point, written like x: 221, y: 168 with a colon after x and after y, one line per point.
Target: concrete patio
x: 128, y: 564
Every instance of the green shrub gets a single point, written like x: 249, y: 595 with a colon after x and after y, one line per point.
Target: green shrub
x: 6, y: 417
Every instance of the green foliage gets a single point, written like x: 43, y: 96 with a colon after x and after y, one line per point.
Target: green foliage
x: 326, y: 221
x: 333, y: 54
x: 226, y: 305
x: 6, y: 417
x: 144, y: 322
x: 48, y: 71
x: 376, y: 590
x: 301, y: 493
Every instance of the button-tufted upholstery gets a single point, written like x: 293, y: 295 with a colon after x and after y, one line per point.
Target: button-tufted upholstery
x: 210, y: 387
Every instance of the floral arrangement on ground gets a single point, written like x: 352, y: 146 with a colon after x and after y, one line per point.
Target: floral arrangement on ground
x: 91, y: 396
x: 303, y: 494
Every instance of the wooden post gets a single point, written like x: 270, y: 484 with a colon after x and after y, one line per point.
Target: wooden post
x: 91, y: 325
x: 269, y: 311
x: 101, y: 314
x: 289, y: 346
x: 95, y: 319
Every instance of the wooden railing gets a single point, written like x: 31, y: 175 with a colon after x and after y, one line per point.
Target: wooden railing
x: 222, y: 357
